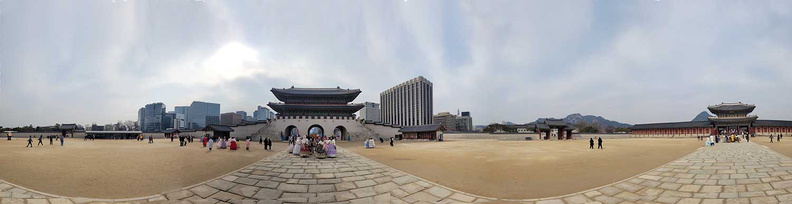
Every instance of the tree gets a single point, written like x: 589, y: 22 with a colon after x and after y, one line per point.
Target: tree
x: 609, y: 129
x: 622, y: 129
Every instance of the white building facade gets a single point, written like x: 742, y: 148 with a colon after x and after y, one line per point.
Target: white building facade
x: 371, y: 112
x: 408, y: 104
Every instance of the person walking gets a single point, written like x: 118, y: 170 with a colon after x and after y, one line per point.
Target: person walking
x: 60, y: 137
x: 50, y: 138
x: 267, y: 144
x: 181, y: 141
x: 771, y: 138
x: 591, y: 143
x: 247, y: 144
x: 748, y: 137
x: 391, y: 141
x: 40, y: 140
x: 778, y: 138
x: 30, y: 142
x: 599, y: 143
x: 171, y: 137
x: 261, y: 140
x: 381, y: 140
x: 211, y: 143
x: 151, y: 139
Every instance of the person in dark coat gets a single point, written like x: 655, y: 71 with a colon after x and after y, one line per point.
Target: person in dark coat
x: 391, y: 141
x: 30, y: 142
x: 381, y: 140
x: 50, y: 137
x: 40, y: 140
x: 261, y: 140
x: 599, y: 143
x: 591, y: 143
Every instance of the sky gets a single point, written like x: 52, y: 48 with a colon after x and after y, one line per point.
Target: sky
x: 640, y: 61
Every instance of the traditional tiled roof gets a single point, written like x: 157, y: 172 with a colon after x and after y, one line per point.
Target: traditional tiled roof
x: 218, y: 128
x: 171, y: 130
x: 422, y: 128
x: 773, y: 123
x: 731, y: 108
x: 693, y: 124
x: 68, y: 126
x: 315, y: 91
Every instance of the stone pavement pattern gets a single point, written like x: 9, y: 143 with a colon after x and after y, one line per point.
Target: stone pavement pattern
x: 725, y: 173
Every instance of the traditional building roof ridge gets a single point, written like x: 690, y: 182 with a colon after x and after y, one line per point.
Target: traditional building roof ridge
x: 668, y: 125
x: 218, y: 128
x: 422, y: 128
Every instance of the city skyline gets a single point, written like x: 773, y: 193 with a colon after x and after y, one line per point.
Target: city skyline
x: 99, y: 62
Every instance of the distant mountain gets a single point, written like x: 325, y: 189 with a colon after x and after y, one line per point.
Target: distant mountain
x: 577, y: 117
x: 702, y: 116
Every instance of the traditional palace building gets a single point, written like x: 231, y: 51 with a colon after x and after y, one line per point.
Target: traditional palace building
x: 731, y: 118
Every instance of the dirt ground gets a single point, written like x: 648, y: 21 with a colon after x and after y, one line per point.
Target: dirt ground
x: 527, y: 169
x: 118, y: 168
x: 784, y: 147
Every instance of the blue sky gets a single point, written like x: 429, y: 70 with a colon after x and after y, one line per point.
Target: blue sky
x: 632, y: 61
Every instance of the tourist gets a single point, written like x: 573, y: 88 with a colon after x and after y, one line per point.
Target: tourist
x: 211, y: 143
x: 305, y: 149
x: 30, y: 142
x: 181, y: 141
x: 61, y: 139
x: 233, y: 143
x: 771, y: 138
x: 779, y: 138
x: 268, y: 144
x: 40, y: 140
x: 381, y: 140
x: 261, y: 140
x: 50, y: 138
x: 331, y: 148
x: 204, y: 140
x: 151, y: 139
x: 247, y: 144
x: 591, y: 143
x: 223, y: 144
x: 291, y: 145
x: 297, y: 146
x: 599, y: 143
x: 320, y: 150
x: 391, y: 141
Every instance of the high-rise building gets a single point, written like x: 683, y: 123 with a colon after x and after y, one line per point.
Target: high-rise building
x: 249, y: 118
x: 408, y: 104
x: 263, y: 113
x: 202, y: 114
x: 181, y: 120
x: 464, y: 122
x: 448, y: 120
x: 371, y: 112
x: 167, y: 120
x: 141, y: 119
x: 242, y: 114
x: 152, y: 117
x: 230, y: 118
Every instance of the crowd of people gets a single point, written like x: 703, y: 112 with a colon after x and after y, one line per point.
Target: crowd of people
x: 714, y: 139
x: 320, y: 147
x: 41, y: 140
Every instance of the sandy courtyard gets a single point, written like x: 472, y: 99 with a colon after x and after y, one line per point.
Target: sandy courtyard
x: 118, y: 168
x: 527, y: 169
x: 784, y: 147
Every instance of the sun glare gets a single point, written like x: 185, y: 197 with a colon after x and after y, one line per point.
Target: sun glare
x: 232, y: 60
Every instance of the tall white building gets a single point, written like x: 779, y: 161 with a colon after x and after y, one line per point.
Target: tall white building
x: 371, y: 112
x: 408, y: 104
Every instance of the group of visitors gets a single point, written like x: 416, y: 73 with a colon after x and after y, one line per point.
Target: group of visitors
x: 714, y: 139
x: 224, y: 143
x: 320, y: 147
x: 183, y: 140
x: 41, y: 140
x: 599, y: 143
x: 779, y: 136
x: 267, y: 143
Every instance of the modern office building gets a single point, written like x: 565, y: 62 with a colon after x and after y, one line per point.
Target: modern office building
x: 408, y: 104
x: 230, y: 118
x: 464, y: 122
x: 181, y: 120
x: 446, y: 119
x: 371, y: 112
x: 202, y: 114
x: 242, y: 114
x: 152, y: 117
x: 263, y: 113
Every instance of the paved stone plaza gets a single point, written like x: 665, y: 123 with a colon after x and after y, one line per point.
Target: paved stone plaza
x: 725, y: 173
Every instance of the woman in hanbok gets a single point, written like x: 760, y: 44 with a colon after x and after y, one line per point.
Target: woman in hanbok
x: 233, y: 144
x: 366, y: 144
x: 331, y: 149
x: 372, y: 144
x: 320, y: 150
x: 297, y: 144
x: 291, y: 145
x: 305, y: 149
x: 223, y: 144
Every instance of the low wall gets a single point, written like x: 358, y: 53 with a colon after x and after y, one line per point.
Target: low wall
x: 533, y: 136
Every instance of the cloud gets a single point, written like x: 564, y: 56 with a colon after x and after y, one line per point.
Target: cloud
x: 636, y: 62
